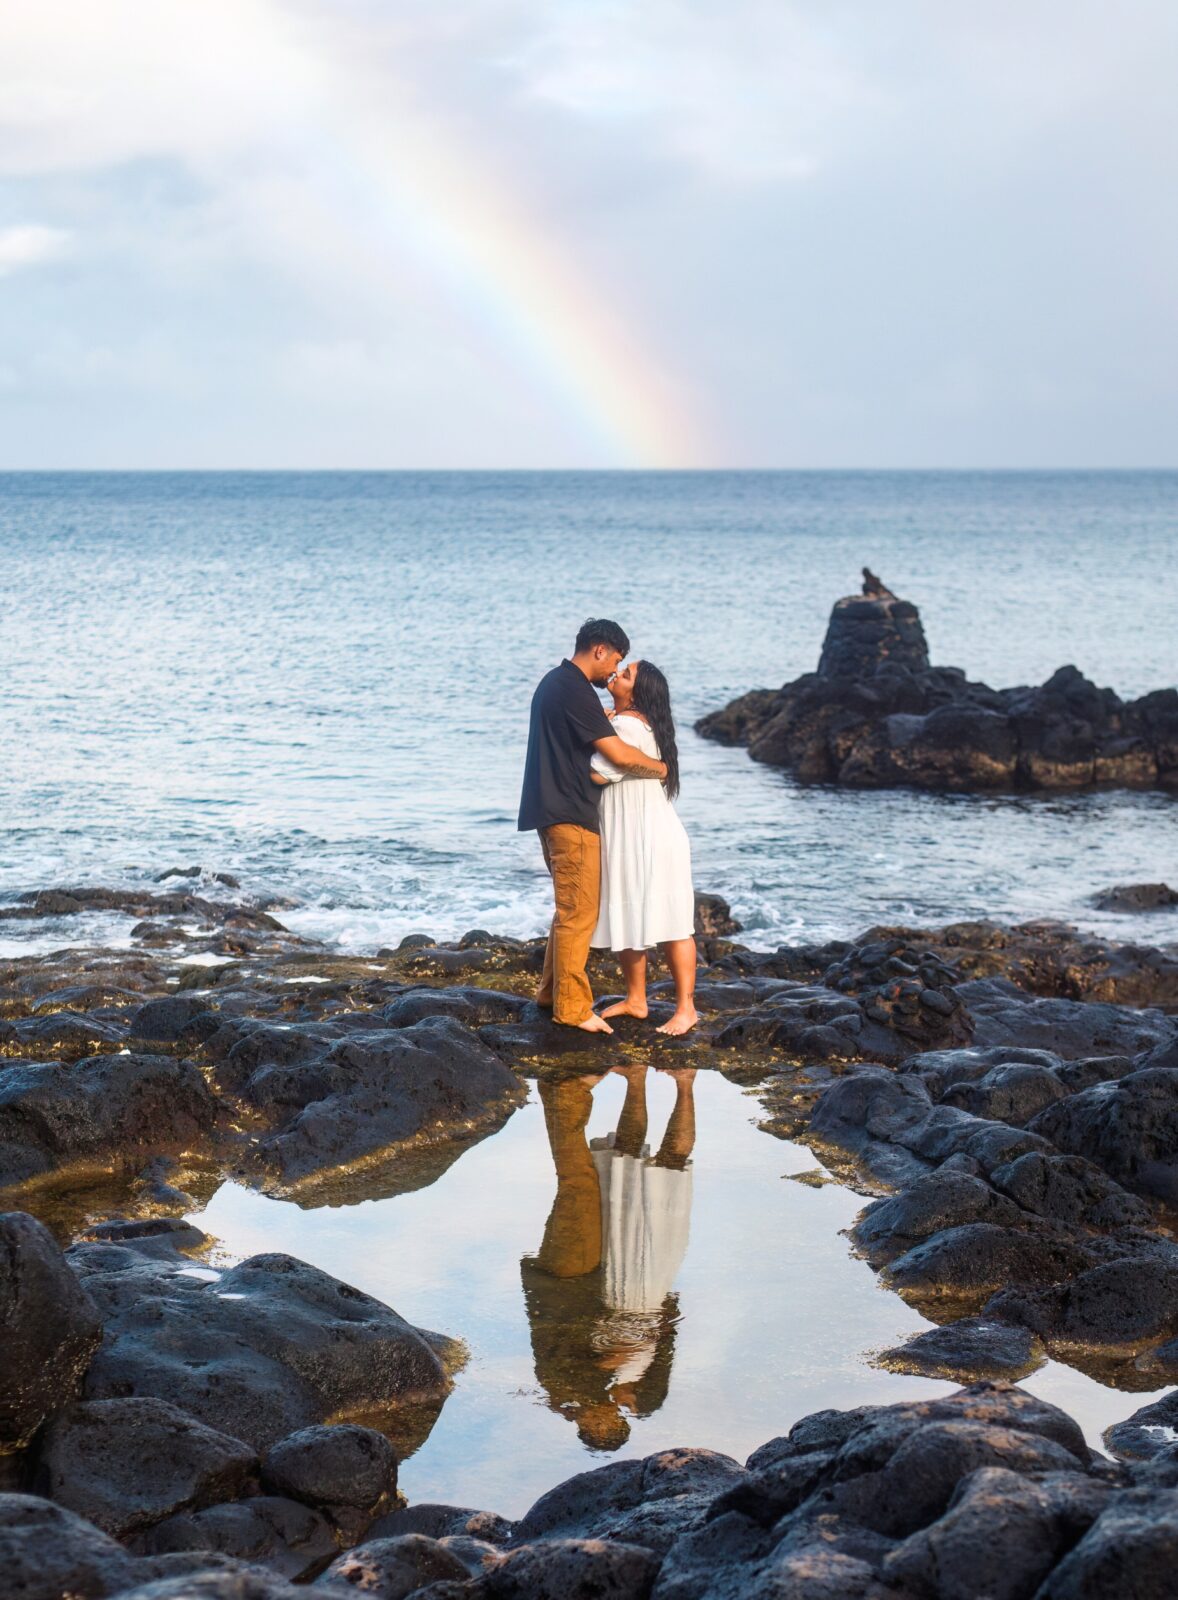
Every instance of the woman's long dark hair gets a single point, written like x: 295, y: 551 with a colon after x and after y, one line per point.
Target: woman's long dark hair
x: 652, y: 696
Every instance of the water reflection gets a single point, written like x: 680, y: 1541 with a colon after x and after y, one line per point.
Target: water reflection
x: 599, y: 1290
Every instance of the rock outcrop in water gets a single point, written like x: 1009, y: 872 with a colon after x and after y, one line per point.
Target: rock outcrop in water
x: 877, y: 715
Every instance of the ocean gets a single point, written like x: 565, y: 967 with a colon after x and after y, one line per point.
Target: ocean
x: 319, y: 683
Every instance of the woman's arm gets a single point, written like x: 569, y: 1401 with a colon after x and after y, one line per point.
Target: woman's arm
x: 600, y: 779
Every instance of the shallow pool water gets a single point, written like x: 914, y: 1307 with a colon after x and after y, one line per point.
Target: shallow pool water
x: 708, y: 1300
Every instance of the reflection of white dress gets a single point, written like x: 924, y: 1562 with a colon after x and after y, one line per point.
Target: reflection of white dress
x: 646, y: 889
x: 645, y: 1220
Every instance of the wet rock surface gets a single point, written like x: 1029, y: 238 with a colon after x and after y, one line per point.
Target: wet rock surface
x: 105, y: 1111
x: 49, y: 1329
x: 648, y: 1502
x: 1036, y: 1221
x: 124, y: 1464
x: 261, y: 1350
x: 281, y: 1536
x: 343, y: 1469
x: 1133, y: 897
x: 1011, y: 1088
x: 876, y: 714
x: 974, y: 1347
x: 181, y: 1451
x: 364, y: 1096
x: 396, y: 1567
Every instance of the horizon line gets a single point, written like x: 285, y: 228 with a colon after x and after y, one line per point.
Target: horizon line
x: 617, y: 471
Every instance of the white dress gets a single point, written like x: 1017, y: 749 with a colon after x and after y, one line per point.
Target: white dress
x: 646, y: 890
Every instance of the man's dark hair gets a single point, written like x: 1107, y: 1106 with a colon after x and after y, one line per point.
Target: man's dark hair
x: 599, y: 630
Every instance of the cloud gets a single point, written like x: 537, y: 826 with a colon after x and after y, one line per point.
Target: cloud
x: 834, y: 231
x: 758, y: 93
x: 28, y: 244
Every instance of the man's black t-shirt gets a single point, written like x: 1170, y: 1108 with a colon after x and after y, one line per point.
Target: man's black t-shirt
x: 566, y: 721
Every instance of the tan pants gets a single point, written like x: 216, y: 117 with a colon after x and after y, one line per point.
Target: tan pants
x: 573, y: 857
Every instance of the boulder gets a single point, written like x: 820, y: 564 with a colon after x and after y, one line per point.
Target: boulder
x: 1069, y: 1189
x: 346, y: 1470
x: 942, y: 1199
x: 390, y: 1569
x: 571, y: 1569
x: 262, y: 1350
x: 444, y: 1522
x: 648, y: 1502
x: 1000, y: 1538
x: 124, y: 1464
x: 890, y: 1123
x: 976, y: 1259
x: 173, y: 1018
x: 1148, y: 1432
x: 468, y: 1005
x: 966, y: 1350
x: 1131, y: 1550
x: 1136, y: 897
x: 907, y: 998
x: 1116, y: 1308
x: 49, y: 1329
x: 62, y: 1035
x: 268, y: 1531
x: 47, y: 1552
x: 1013, y: 1093
x: 1129, y: 1127
x: 383, y: 1095
x: 867, y: 631
x: 1002, y: 1424
x: 103, y: 1112
x: 1003, y: 1015
x: 714, y: 919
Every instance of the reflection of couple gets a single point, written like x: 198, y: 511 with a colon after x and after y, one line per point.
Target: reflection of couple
x: 619, y: 857
x: 598, y: 1291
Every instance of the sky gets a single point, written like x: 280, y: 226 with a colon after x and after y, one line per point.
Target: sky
x: 588, y: 233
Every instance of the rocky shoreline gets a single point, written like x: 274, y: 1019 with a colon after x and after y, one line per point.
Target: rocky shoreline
x: 876, y: 714
x: 169, y: 1427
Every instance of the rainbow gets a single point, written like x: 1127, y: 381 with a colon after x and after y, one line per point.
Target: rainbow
x: 414, y: 188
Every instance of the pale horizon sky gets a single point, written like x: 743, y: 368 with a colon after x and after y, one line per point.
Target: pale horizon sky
x: 556, y: 233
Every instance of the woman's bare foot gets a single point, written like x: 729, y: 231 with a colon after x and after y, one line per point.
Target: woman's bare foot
x: 593, y: 1024
x: 682, y: 1022
x: 626, y: 1008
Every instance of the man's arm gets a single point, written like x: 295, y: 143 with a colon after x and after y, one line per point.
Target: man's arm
x: 629, y: 758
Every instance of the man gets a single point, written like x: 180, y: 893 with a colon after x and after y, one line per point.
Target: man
x: 560, y: 802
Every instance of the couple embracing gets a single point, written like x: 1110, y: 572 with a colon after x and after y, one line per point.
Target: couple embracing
x: 598, y: 788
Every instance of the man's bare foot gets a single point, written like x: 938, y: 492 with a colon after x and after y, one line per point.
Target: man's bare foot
x: 682, y: 1022
x: 593, y: 1024
x: 626, y: 1008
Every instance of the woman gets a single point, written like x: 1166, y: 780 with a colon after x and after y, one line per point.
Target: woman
x: 646, y: 891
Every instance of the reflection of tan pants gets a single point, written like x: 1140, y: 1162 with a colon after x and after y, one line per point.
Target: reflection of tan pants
x: 572, y: 1239
x: 573, y: 857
